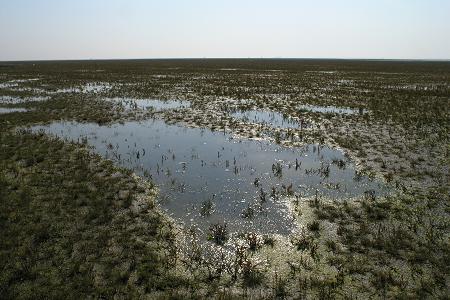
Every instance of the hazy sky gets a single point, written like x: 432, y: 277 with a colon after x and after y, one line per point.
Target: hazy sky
x: 85, y: 29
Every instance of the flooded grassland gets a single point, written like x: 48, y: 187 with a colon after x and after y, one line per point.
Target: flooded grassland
x: 283, y: 178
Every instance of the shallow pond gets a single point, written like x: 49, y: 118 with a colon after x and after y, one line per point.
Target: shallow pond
x: 7, y: 85
x: 205, y: 177
x: 5, y: 110
x: 274, y: 119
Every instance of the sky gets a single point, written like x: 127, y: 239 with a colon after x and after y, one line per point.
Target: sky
x: 121, y: 29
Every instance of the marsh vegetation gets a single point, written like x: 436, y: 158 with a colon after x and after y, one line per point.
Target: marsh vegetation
x: 225, y: 178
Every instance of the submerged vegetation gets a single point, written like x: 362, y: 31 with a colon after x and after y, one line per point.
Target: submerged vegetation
x: 76, y: 225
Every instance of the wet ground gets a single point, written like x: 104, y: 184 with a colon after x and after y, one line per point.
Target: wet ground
x: 154, y: 104
x: 332, y: 109
x: 17, y: 100
x: 274, y: 119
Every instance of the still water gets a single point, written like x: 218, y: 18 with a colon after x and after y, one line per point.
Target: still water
x: 206, y: 177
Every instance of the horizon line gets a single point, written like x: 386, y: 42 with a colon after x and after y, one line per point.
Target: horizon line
x: 230, y: 58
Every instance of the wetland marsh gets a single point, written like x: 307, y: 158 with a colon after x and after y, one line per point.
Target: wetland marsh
x: 233, y: 178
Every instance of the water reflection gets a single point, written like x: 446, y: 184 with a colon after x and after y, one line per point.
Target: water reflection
x: 206, y: 176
